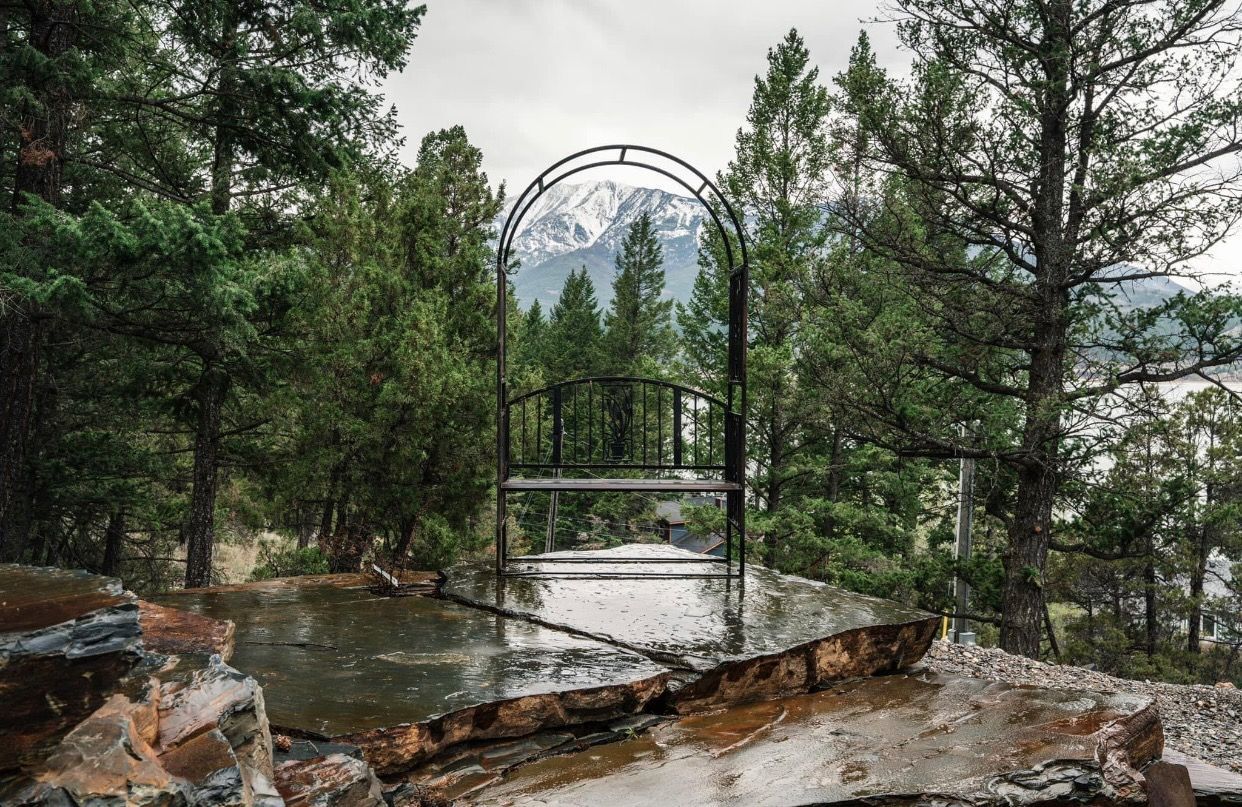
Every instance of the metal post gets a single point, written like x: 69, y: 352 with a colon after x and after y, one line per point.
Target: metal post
x: 502, y: 432
x: 965, y: 515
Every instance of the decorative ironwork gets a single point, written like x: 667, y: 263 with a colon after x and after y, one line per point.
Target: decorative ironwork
x: 616, y: 422
x: 686, y: 440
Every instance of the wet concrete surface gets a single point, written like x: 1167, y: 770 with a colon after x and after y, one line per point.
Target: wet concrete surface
x: 881, y: 739
x: 334, y: 660
x: 697, y: 623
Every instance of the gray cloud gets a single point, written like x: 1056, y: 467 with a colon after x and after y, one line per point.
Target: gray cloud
x: 533, y: 80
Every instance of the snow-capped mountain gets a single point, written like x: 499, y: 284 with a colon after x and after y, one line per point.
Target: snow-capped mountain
x: 584, y: 224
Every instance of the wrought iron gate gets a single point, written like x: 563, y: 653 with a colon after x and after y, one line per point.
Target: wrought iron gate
x: 686, y: 440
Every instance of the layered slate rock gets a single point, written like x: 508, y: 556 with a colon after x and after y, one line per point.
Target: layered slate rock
x: 104, y: 760
x: 762, y: 637
x: 217, y: 699
x: 172, y: 631
x: 404, y: 678
x: 1211, y: 785
x: 899, y: 740
x: 67, y: 639
x: 335, y: 780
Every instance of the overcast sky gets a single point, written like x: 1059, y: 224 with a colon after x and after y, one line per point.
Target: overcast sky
x: 535, y: 80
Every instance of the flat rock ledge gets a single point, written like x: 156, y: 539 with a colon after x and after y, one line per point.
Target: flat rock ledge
x: 1203, y: 722
x: 894, y: 740
x: 766, y: 636
x: 406, y: 677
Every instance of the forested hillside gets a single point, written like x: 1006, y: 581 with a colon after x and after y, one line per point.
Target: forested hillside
x: 233, y: 322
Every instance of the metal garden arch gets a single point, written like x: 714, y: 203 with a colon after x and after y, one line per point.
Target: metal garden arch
x: 626, y: 423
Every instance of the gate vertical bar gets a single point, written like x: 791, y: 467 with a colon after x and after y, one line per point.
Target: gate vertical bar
x: 676, y: 428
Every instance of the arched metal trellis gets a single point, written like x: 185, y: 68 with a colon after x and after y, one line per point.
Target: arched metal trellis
x: 591, y: 425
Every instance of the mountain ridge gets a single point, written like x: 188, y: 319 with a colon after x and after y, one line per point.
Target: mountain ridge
x: 583, y: 224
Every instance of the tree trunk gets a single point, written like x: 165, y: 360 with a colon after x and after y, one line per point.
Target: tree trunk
x: 1152, y: 624
x: 409, y: 528
x: 19, y: 360
x: 1023, y: 596
x: 200, y: 525
x: 305, y: 528
x: 1030, y: 531
x: 1053, y: 247
x: 114, y: 541
x: 325, y: 521
x: 1197, y: 575
x: 214, y: 383
x: 42, y: 129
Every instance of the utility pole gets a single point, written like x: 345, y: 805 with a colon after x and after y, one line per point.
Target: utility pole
x: 965, y: 515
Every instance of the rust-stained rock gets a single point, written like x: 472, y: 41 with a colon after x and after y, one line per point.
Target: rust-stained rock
x: 173, y: 631
x: 852, y: 654
x: 67, y: 639
x: 140, y: 702
x: 104, y: 761
x: 893, y: 740
x: 769, y: 635
x: 218, y: 697
x: 1125, y: 745
x: 208, y: 763
x: 335, y: 780
x: 397, y: 748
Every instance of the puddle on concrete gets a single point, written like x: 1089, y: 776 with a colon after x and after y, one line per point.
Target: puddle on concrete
x: 336, y: 660
x: 697, y: 623
x: 902, y: 734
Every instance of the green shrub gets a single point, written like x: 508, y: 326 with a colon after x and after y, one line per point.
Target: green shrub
x: 277, y: 561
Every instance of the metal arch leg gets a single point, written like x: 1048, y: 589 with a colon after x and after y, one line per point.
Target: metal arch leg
x: 502, y: 537
x: 735, y: 525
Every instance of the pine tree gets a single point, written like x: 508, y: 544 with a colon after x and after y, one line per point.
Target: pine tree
x: 392, y: 408
x: 572, y: 346
x: 257, y: 99
x: 51, y: 74
x: 532, y: 337
x: 638, y: 329
x: 1030, y: 168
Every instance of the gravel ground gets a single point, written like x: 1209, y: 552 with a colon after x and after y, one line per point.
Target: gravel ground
x: 1199, y: 721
